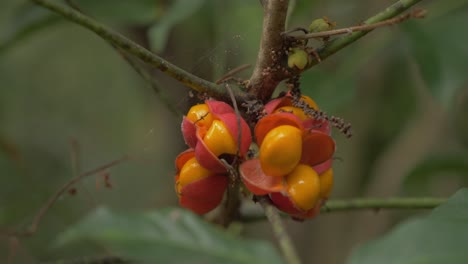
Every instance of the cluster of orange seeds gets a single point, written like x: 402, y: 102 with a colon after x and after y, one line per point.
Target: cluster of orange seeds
x: 292, y: 166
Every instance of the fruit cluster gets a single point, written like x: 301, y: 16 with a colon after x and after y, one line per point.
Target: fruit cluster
x: 292, y: 166
x: 211, y: 131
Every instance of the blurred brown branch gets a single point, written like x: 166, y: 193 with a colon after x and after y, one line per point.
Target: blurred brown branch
x: 32, y: 229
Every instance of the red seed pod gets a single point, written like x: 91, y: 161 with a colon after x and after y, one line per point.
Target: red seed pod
x: 256, y: 181
x: 282, y: 151
x: 212, y: 130
x: 198, y: 189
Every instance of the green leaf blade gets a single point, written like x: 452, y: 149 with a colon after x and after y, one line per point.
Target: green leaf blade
x: 169, y: 236
x: 440, y: 237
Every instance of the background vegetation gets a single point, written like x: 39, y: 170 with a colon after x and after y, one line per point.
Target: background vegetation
x: 404, y: 89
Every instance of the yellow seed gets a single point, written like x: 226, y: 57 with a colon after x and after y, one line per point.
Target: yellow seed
x: 219, y: 140
x: 200, y: 115
x: 326, y: 183
x: 304, y: 186
x: 190, y: 172
x: 294, y: 110
x: 281, y: 150
x: 312, y: 104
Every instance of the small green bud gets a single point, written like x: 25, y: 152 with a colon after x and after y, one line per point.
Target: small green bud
x: 321, y: 24
x: 298, y: 58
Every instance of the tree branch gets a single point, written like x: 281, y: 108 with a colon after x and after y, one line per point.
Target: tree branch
x: 285, y: 243
x: 140, y: 52
x: 418, y: 13
x: 382, y: 203
x: 337, y: 44
x: 411, y: 203
x: 266, y: 75
x: 268, y: 72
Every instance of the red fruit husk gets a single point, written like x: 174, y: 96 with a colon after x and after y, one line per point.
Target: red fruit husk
x: 256, y: 181
x: 218, y: 107
x: 182, y: 158
x: 203, y: 195
x: 317, y: 147
x: 318, y: 125
x: 207, y: 159
x: 271, y: 106
x: 189, y: 132
x: 322, y: 167
x: 309, y: 214
x: 285, y: 204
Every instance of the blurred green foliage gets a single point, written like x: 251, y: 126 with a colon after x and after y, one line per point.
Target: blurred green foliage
x: 439, y: 237
x: 166, y: 236
x: 404, y: 89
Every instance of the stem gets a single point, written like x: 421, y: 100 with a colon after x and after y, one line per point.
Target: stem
x: 382, y: 203
x: 411, y: 203
x: 368, y: 27
x: 279, y: 231
x: 337, y: 44
x: 266, y: 75
x: 230, y: 211
x: 140, y: 52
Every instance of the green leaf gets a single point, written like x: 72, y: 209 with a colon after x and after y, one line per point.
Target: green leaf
x: 418, y: 181
x: 440, y: 237
x: 426, y: 54
x: 440, y: 61
x: 180, y: 10
x: 168, y: 236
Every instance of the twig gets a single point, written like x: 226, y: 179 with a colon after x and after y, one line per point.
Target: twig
x: 150, y: 81
x: 238, y: 118
x: 231, y: 73
x: 231, y: 207
x: 137, y: 68
x: 75, y: 157
x: 382, y: 203
x: 75, y: 160
x: 285, y: 243
x: 266, y: 74
x: 45, y: 208
x: 377, y: 204
x: 337, y: 44
x: 230, y: 210
x: 140, y: 52
x: 418, y: 13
